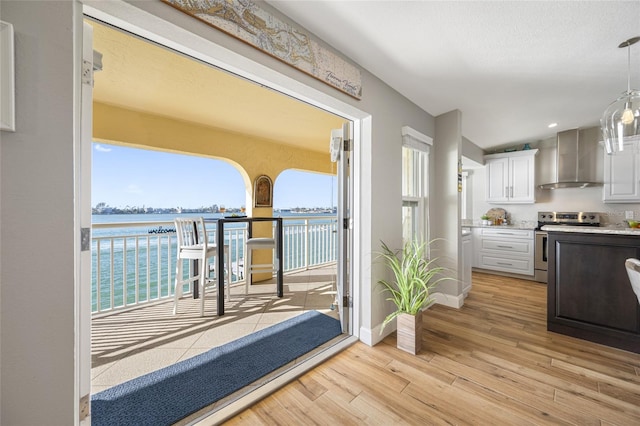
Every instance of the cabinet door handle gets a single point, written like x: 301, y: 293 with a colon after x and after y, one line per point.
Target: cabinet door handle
x: 511, y: 192
x: 506, y: 191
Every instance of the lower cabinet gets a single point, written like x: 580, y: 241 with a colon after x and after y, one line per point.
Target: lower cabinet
x: 589, y: 295
x: 504, y: 250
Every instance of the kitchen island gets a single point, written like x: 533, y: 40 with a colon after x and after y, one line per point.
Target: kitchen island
x: 589, y: 295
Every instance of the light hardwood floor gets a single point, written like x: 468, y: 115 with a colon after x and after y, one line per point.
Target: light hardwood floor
x: 491, y: 362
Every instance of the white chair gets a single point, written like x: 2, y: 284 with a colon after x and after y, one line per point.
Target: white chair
x: 193, y: 244
x: 249, y: 269
x: 633, y: 270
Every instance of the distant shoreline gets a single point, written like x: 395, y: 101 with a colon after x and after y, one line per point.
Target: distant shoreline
x: 143, y: 211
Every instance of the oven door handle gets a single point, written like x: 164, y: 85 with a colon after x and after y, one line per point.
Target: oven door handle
x: 541, y: 250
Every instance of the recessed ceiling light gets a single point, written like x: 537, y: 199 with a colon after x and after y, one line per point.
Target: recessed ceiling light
x: 552, y: 125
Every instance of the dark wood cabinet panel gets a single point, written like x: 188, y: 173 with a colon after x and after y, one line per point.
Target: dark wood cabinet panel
x: 589, y: 295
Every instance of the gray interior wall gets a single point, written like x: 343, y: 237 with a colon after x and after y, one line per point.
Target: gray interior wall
x: 37, y: 229
x: 37, y: 203
x: 445, y: 198
x: 472, y: 151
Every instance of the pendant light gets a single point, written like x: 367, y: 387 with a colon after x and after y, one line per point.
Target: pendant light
x: 621, y: 119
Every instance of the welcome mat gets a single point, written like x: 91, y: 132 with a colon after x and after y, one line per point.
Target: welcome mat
x: 165, y: 396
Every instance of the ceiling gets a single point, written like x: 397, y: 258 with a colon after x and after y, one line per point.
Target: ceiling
x: 143, y: 77
x: 511, y: 67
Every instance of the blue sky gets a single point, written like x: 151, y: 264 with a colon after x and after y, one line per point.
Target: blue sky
x: 124, y: 176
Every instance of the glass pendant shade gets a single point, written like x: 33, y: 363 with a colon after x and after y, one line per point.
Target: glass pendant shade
x: 621, y: 121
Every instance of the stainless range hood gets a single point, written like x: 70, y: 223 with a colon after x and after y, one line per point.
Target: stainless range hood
x: 575, y: 162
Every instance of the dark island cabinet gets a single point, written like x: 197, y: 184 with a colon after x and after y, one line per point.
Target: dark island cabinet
x: 589, y: 295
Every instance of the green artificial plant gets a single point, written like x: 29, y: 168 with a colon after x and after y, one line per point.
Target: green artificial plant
x: 414, y: 277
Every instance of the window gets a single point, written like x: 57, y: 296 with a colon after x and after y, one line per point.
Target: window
x: 415, y: 185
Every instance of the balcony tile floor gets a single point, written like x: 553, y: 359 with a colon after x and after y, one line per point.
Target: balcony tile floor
x: 131, y: 343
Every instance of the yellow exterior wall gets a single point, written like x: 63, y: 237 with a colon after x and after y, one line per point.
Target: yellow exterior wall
x: 251, y: 156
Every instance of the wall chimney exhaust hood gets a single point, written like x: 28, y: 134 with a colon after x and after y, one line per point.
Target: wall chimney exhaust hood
x: 575, y: 162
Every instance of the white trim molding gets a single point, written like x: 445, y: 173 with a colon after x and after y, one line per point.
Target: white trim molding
x: 7, y: 78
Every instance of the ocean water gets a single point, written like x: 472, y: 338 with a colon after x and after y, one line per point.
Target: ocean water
x: 135, y: 255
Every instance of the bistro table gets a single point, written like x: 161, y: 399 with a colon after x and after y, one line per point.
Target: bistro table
x: 220, y: 258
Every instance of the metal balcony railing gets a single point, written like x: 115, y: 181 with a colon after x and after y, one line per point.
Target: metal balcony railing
x: 133, y: 263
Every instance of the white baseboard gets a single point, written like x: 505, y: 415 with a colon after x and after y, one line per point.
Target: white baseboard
x: 372, y: 337
x: 449, y: 300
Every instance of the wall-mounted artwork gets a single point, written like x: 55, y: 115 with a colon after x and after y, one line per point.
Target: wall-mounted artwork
x: 258, y: 28
x: 263, y: 192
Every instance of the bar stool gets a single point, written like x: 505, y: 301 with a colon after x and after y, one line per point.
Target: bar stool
x: 193, y: 244
x: 249, y: 269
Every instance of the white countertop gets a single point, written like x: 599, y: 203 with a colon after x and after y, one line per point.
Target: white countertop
x: 593, y: 230
x: 526, y: 227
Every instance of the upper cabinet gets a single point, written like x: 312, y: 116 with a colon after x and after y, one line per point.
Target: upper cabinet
x: 511, y: 177
x: 621, y: 176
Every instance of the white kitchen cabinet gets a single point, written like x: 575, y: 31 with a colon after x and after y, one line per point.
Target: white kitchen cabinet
x: 511, y: 177
x: 622, y: 176
x: 506, y: 250
x: 467, y: 259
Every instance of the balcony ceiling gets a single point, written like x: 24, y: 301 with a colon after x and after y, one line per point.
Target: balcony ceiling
x: 511, y: 67
x: 141, y: 76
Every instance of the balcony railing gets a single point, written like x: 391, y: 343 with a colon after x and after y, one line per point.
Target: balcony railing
x: 133, y: 263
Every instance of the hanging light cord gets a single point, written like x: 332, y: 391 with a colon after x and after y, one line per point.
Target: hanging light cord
x: 628, y: 44
x: 628, y: 68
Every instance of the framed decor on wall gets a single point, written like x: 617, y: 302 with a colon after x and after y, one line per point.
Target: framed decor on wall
x: 249, y: 22
x: 263, y: 192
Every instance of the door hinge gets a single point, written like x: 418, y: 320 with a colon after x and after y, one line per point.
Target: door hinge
x: 87, y: 72
x: 347, y: 145
x: 346, y: 302
x: 85, y: 239
x: 345, y: 223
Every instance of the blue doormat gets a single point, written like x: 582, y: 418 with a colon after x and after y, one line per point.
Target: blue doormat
x: 165, y: 396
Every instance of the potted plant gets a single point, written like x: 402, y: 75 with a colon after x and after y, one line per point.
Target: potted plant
x: 485, y: 219
x: 414, y: 277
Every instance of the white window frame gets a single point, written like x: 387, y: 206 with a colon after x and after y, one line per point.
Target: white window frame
x: 417, y: 141
x: 463, y: 196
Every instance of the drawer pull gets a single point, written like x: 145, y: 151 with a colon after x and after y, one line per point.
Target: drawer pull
x: 507, y: 247
x: 504, y: 264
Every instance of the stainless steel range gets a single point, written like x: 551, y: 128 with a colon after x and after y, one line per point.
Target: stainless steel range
x: 557, y: 218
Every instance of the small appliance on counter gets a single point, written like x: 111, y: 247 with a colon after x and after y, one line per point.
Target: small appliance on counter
x: 556, y: 218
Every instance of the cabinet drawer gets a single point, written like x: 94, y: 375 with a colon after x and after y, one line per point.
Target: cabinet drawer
x: 512, y: 247
x: 507, y: 233
x: 518, y: 266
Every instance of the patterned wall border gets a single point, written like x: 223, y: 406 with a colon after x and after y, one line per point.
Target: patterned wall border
x: 246, y: 21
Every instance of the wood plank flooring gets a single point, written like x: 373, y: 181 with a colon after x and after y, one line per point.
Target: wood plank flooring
x: 490, y: 362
